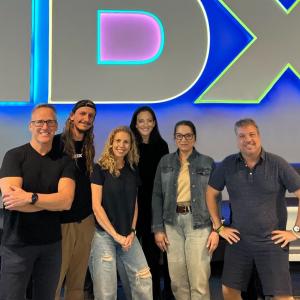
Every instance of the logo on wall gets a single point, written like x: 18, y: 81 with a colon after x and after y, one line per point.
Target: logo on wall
x: 128, y: 37
x: 126, y: 51
x: 224, y: 51
x: 268, y: 47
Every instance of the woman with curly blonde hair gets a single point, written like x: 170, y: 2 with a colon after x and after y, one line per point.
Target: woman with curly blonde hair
x: 107, y: 159
x: 114, y: 184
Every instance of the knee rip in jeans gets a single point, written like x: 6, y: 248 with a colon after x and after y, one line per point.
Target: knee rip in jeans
x: 144, y: 273
x: 106, y: 258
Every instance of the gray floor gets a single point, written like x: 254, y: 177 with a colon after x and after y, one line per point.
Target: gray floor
x: 215, y: 283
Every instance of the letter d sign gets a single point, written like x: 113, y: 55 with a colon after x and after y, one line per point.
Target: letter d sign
x: 121, y: 51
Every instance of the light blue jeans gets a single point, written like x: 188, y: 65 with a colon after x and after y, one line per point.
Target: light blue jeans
x: 188, y: 259
x: 103, y: 266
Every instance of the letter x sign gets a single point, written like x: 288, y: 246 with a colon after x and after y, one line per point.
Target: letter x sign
x: 275, y: 46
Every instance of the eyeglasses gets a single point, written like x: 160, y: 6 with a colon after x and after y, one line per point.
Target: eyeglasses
x: 40, y: 123
x: 188, y: 136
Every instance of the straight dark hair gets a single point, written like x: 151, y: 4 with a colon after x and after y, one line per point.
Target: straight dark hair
x: 155, y: 136
x: 186, y: 123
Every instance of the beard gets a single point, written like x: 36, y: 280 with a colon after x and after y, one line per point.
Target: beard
x: 80, y: 130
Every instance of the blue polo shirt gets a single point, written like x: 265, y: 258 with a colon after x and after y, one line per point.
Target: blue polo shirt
x: 257, y: 196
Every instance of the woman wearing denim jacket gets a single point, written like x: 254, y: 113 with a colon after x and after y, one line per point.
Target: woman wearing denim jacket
x: 181, y: 221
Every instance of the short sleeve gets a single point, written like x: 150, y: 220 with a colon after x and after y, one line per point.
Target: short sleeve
x: 98, y: 175
x: 11, y: 165
x: 289, y: 176
x: 217, y: 177
x: 69, y: 168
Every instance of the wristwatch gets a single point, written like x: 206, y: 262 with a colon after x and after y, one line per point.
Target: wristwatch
x: 133, y: 230
x: 296, y: 231
x: 34, y: 198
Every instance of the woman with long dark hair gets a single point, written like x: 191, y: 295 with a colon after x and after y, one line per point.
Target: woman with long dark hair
x: 152, y: 147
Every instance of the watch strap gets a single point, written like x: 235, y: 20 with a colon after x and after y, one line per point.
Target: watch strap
x: 34, y: 198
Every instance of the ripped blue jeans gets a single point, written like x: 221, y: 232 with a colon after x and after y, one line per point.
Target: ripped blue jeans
x: 104, y: 254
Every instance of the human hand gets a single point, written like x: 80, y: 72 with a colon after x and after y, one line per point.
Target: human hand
x: 212, y: 242
x: 16, y: 197
x: 283, y: 236
x: 121, y: 239
x: 128, y: 241
x: 161, y: 241
x: 231, y: 235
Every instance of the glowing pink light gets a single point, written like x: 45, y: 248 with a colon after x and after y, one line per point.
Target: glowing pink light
x: 129, y: 37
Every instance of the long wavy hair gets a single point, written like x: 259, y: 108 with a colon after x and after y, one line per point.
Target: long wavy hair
x: 155, y: 136
x: 107, y: 159
x: 88, y: 144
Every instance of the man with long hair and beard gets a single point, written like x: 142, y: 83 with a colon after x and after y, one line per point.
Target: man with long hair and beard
x: 78, y: 225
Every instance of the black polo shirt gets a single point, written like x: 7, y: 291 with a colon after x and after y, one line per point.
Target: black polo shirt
x: 40, y: 174
x: 257, y: 196
x: 118, y: 196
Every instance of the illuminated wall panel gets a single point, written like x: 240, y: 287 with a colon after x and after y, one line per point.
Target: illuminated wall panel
x: 15, y: 47
x: 251, y: 69
x: 74, y: 69
x: 128, y: 37
x: 274, y: 48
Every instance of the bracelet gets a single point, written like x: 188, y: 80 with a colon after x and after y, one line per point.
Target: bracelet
x: 133, y: 230
x: 219, y: 229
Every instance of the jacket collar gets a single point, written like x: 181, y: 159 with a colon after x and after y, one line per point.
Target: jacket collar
x: 191, y: 157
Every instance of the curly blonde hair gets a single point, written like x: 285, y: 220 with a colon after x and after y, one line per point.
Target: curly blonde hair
x: 107, y: 160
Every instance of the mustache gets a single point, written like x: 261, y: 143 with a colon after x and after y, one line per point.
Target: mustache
x: 86, y: 123
x: 83, y: 130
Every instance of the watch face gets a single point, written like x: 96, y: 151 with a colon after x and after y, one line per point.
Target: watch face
x: 34, y: 198
x: 296, y: 228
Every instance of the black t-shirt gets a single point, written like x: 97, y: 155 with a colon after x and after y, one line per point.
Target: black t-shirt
x: 150, y: 155
x: 82, y: 204
x: 40, y: 174
x: 118, y: 196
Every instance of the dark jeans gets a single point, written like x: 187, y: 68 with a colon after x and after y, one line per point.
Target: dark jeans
x: 42, y: 262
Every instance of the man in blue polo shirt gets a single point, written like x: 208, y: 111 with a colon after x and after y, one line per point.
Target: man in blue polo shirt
x: 256, y: 182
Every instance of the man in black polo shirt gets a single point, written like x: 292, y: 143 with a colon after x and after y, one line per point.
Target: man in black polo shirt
x: 78, y: 224
x: 36, y: 182
x: 256, y: 182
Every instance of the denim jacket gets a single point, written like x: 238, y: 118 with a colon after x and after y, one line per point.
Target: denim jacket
x: 165, y: 190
